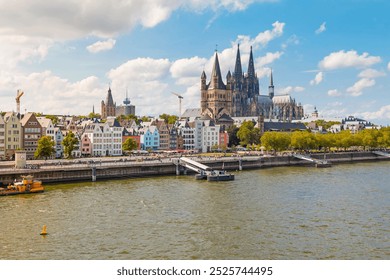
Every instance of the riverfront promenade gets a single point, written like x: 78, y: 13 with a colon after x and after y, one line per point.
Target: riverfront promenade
x: 53, y: 171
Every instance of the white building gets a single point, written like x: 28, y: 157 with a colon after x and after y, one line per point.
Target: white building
x: 106, y: 140
x: 2, y: 137
x: 13, y: 134
x: 48, y: 129
x: 210, y: 135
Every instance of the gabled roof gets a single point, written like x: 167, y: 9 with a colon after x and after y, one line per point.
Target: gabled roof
x: 112, y: 122
x: 27, y: 117
x: 45, y: 122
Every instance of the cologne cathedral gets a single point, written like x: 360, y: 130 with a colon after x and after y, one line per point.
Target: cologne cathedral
x: 240, y: 96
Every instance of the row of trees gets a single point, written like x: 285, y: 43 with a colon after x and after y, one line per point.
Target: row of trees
x: 305, y: 140
x: 46, y: 146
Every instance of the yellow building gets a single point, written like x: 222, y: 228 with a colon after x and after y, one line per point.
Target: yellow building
x: 13, y: 133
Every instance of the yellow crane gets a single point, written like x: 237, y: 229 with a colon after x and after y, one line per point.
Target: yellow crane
x: 180, y: 98
x: 19, y: 94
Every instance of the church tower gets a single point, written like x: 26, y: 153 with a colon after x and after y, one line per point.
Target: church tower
x: 251, y: 81
x: 237, y: 86
x: 108, y: 107
x: 271, y: 88
x: 216, y: 98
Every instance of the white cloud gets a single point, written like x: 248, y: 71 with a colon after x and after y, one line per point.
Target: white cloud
x: 388, y: 66
x: 371, y: 73
x: 318, y: 79
x: 321, y: 29
x: 141, y: 69
x: 263, y: 38
x: 267, y: 59
x: 106, y: 19
x: 334, y: 92
x: 48, y: 93
x: 100, y: 46
x: 17, y: 49
x: 292, y: 40
x: 382, y: 114
x: 146, y: 79
x: 289, y: 90
x: 342, y: 59
x: 187, y: 71
x: 357, y: 88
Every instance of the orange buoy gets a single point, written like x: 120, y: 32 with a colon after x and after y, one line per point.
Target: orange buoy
x: 44, y: 232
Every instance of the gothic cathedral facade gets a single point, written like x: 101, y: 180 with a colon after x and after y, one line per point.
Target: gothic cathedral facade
x: 240, y: 96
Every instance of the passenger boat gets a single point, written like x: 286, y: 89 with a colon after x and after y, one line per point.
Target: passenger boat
x: 25, y: 186
x: 220, y: 175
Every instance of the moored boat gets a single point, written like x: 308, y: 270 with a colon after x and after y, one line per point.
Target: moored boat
x: 220, y: 175
x: 25, y: 186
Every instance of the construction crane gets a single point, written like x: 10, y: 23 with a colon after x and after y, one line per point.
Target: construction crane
x: 180, y: 98
x: 19, y: 94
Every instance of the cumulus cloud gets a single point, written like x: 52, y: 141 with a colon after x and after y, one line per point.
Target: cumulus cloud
x: 357, y: 88
x: 317, y: 79
x: 289, y: 90
x: 187, y: 71
x: 342, y: 59
x: 46, y: 92
x: 263, y: 38
x: 146, y: 79
x: 371, y: 73
x: 106, y: 19
x: 268, y: 58
x: 388, y: 66
x: 100, y: 46
x: 15, y: 49
x: 382, y: 114
x: 334, y: 92
x: 321, y: 29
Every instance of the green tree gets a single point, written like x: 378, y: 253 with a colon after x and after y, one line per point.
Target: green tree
x: 69, y: 143
x: 384, y: 137
x: 169, y: 119
x: 54, y: 119
x: 233, y: 139
x: 145, y: 119
x: 129, y: 145
x: 94, y: 116
x: 248, y: 133
x: 303, y: 140
x: 277, y: 141
x: 325, y: 141
x: 45, y: 147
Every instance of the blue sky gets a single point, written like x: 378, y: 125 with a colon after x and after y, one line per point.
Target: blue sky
x: 330, y: 54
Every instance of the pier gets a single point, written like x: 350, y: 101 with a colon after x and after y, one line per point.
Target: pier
x: 380, y: 153
x: 204, y: 171
x: 317, y: 162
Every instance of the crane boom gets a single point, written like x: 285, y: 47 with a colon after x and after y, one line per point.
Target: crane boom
x: 19, y: 94
x: 180, y: 98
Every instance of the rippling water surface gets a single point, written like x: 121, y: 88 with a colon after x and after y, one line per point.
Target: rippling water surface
x: 341, y: 212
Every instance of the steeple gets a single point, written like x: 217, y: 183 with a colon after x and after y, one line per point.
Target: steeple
x: 271, y: 87
x: 238, y: 68
x: 109, y: 100
x: 251, y: 65
x: 216, y: 77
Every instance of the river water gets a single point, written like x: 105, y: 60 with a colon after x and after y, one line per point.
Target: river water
x: 342, y: 212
